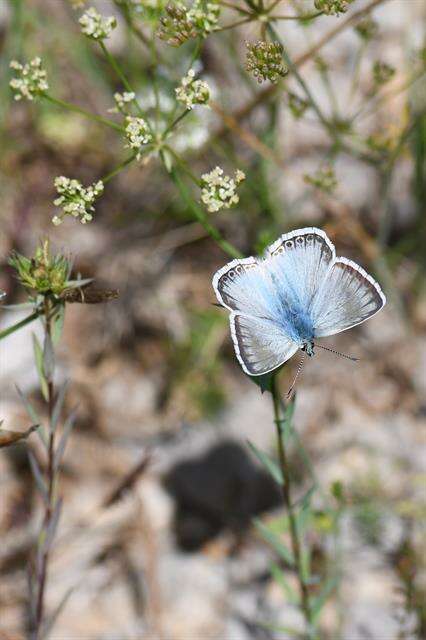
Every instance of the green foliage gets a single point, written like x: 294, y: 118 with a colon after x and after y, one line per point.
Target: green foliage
x: 44, y: 273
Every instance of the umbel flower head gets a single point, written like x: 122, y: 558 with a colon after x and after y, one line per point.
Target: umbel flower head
x: 219, y: 191
x: 324, y: 178
x: 182, y: 23
x: 367, y: 28
x: 297, y: 105
x: 137, y: 133
x: 332, y: 7
x: 121, y: 102
x: 191, y: 91
x: 76, y: 200
x: 30, y: 81
x: 264, y: 60
x: 95, y: 26
x: 44, y: 272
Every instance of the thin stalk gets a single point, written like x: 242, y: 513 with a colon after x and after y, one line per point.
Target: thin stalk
x: 234, y: 24
x: 176, y: 121
x: 83, y: 112
x: 50, y: 477
x: 116, y: 67
x: 309, y: 16
x: 200, y: 215
x: 119, y: 168
x: 296, y: 542
x: 234, y: 7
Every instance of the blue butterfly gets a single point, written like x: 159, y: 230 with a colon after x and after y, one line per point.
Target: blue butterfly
x: 297, y: 292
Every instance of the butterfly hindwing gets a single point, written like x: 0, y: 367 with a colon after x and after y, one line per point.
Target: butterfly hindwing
x: 260, y: 344
x: 347, y: 297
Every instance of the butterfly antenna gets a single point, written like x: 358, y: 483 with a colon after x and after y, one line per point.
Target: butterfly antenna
x: 338, y: 353
x: 293, y: 384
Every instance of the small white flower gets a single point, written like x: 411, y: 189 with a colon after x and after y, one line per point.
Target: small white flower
x: 191, y: 91
x: 137, y: 134
x: 30, y: 80
x: 220, y: 191
x: 95, y: 26
x: 332, y: 7
x: 121, y: 101
x: 76, y: 200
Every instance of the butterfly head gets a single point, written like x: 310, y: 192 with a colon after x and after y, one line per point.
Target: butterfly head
x: 308, y: 347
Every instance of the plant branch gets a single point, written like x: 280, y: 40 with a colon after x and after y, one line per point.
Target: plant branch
x: 92, y: 116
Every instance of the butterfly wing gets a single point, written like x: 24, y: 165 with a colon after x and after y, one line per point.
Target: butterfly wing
x: 348, y: 296
x: 298, y: 262
x: 260, y: 344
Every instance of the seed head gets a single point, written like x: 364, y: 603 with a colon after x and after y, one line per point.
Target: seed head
x: 382, y: 72
x: 30, y: 81
x: 264, y: 61
x: 324, y: 179
x: 332, y: 7
x: 182, y: 23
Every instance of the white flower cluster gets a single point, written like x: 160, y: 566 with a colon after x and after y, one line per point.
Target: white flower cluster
x: 31, y: 80
x: 191, y: 91
x: 332, y: 7
x: 95, y: 26
x: 121, y: 101
x: 205, y: 15
x: 137, y: 133
x: 220, y: 191
x: 76, y: 200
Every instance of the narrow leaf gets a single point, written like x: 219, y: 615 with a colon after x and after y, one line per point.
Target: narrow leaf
x: 267, y: 462
x: 6, y: 332
x: 48, y: 357
x: 69, y: 423
x: 274, y: 541
x: 279, y: 577
x: 59, y: 402
x: 319, y: 602
x: 58, y: 324
x: 49, y: 624
x: 53, y: 525
x: 38, y: 358
x: 8, y: 438
x: 32, y: 413
x: 38, y: 476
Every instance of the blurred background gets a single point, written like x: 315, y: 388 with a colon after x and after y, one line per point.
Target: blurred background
x: 163, y: 407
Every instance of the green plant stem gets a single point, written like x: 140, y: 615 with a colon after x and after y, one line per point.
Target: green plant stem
x: 117, y: 69
x: 50, y: 477
x: 238, y: 23
x: 22, y: 323
x: 176, y: 121
x: 119, y: 168
x: 310, y: 16
x: 200, y: 215
x: 286, y: 493
x: 83, y: 112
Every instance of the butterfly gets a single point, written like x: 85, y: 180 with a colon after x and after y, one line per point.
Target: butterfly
x: 297, y: 292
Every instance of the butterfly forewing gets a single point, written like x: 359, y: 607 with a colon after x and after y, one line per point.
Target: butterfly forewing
x: 260, y: 344
x: 298, y: 263
x: 347, y: 297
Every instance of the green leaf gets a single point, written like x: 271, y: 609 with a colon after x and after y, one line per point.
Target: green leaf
x: 48, y: 357
x: 6, y: 332
x: 58, y: 324
x: 38, y: 358
x: 279, y: 577
x: 274, y: 541
x: 32, y: 413
x: 267, y: 462
x: 305, y: 561
x: 319, y: 602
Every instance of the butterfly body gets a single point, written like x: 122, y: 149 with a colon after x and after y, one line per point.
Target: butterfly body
x: 299, y: 291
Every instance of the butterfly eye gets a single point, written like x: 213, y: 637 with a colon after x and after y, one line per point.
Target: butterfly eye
x: 289, y: 244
